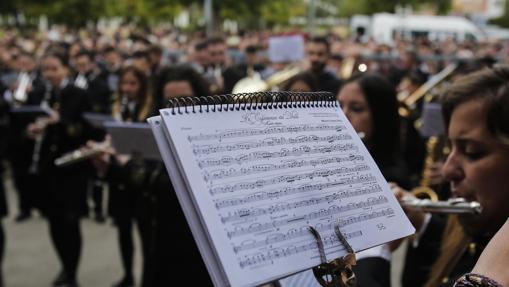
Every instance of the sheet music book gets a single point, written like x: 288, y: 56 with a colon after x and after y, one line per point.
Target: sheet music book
x: 33, y: 111
x: 97, y: 120
x: 133, y: 138
x: 253, y: 173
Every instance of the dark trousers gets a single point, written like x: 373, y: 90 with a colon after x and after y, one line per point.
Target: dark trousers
x: 65, y: 235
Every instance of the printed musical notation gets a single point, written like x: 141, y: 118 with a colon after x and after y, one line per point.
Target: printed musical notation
x: 243, y: 214
x: 283, y: 153
x: 267, y: 142
x: 247, y: 132
x: 287, y: 191
x: 264, y: 167
x: 260, y: 186
x: 277, y: 253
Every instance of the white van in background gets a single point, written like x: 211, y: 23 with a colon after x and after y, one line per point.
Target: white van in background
x: 382, y: 27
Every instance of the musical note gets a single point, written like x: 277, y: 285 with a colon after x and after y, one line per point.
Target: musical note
x: 287, y: 191
x: 243, y: 214
x: 260, y: 168
x: 334, y: 209
x: 267, y: 142
x: 241, y: 133
x: 283, y: 153
x: 260, y: 258
x: 259, y: 183
x: 292, y: 234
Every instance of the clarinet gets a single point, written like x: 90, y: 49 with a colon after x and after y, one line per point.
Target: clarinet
x: 36, y: 153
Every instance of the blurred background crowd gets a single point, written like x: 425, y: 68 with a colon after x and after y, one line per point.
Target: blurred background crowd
x: 127, y: 58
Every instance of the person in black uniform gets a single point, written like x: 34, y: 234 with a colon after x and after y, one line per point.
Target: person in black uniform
x: 19, y: 149
x: 4, y: 126
x: 88, y: 75
x: 476, y: 109
x: 62, y: 191
x: 126, y: 175
x: 233, y: 74
x: 173, y: 251
x: 317, y: 53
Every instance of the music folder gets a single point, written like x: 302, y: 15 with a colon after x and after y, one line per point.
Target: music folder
x: 133, y: 138
x: 432, y: 120
x: 32, y: 111
x: 97, y: 120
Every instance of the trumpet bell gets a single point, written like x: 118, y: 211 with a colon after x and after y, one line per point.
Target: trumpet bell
x: 255, y: 83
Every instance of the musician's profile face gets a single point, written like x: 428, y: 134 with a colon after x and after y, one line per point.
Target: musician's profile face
x: 53, y: 70
x: 129, y: 85
x: 356, y: 109
x: 478, y: 167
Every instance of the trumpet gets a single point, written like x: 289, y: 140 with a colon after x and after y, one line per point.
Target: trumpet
x: 407, y: 104
x: 254, y: 83
x: 78, y: 155
x: 451, y: 206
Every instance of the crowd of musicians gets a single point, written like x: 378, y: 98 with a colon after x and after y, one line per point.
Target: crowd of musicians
x: 130, y: 74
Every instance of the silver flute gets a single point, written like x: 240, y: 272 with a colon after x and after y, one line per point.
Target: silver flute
x: 451, y: 206
x: 77, y: 155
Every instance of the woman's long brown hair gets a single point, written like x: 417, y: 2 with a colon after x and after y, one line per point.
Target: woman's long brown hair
x: 144, y: 97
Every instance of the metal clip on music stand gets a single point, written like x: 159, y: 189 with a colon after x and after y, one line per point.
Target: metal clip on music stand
x: 338, y: 272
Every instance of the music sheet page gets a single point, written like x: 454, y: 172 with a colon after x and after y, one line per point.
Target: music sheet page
x: 261, y: 177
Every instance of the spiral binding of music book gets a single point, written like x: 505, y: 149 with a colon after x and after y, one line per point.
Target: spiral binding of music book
x: 253, y: 172
x: 251, y: 101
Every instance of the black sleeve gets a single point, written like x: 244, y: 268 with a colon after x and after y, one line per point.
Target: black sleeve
x: 420, y: 259
x: 373, y: 272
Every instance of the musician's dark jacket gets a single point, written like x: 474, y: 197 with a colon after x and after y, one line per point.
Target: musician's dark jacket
x: 19, y: 150
x: 419, y: 260
x: 143, y: 188
x: 99, y: 93
x: 63, y: 189
x: 4, y: 129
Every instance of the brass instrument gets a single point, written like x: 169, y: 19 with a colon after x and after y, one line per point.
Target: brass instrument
x: 347, y: 68
x: 254, y: 83
x: 408, y: 103
x: 76, y: 156
x: 20, y: 94
x: 423, y: 190
x: 451, y: 206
